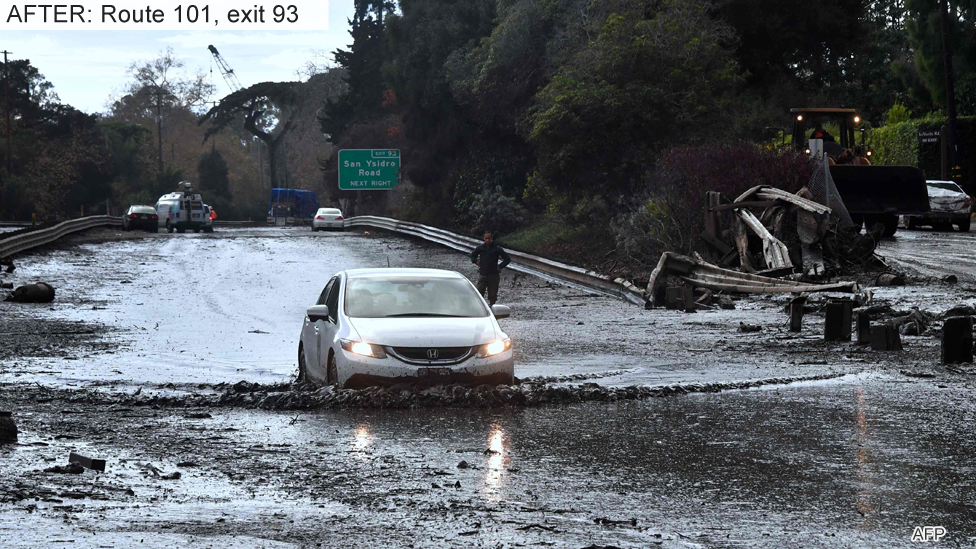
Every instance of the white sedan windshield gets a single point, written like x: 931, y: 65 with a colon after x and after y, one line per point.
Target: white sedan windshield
x: 412, y: 296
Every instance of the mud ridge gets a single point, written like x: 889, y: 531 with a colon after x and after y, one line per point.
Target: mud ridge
x: 308, y: 397
x: 575, y: 377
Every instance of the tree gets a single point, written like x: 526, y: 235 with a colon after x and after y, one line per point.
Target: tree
x: 650, y: 79
x: 925, y: 31
x: 808, y: 43
x: 164, y: 74
x: 158, y: 82
x: 361, y: 63
x: 213, y: 175
x: 423, y: 38
x: 261, y: 106
x: 57, y: 162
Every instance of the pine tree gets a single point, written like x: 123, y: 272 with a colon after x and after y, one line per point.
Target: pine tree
x: 214, y: 180
x: 362, y: 62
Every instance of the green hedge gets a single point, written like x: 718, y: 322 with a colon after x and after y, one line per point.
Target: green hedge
x: 897, y: 144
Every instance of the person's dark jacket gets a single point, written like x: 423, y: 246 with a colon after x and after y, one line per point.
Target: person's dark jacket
x: 488, y: 255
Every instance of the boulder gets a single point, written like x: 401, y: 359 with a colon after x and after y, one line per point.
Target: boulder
x: 41, y: 292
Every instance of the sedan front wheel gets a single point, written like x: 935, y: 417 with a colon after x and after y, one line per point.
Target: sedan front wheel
x: 332, y: 374
x: 302, y: 369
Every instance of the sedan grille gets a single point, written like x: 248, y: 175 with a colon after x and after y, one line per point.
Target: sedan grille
x: 431, y: 355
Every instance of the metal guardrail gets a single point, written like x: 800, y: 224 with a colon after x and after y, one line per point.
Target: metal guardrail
x: 33, y: 239
x: 540, y: 266
x: 523, y: 262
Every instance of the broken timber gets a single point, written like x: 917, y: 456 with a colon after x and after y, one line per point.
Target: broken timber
x: 775, y: 252
x: 701, y: 274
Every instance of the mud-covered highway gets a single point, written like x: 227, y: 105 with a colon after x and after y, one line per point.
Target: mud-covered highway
x: 833, y: 445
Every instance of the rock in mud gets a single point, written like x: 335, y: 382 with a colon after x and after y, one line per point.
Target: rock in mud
x: 69, y: 469
x: 749, y: 328
x: 725, y: 302
x: 8, y: 429
x: 41, y: 292
x: 889, y: 279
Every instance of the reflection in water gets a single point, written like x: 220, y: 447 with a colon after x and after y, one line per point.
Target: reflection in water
x: 496, y: 461
x: 864, y: 496
x: 363, y: 437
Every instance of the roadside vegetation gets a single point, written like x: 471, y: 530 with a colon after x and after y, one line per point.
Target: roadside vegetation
x: 585, y: 129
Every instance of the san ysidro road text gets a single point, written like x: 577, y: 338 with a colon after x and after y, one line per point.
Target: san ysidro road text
x: 182, y: 13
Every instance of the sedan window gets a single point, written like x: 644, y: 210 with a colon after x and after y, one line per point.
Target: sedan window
x: 412, y: 297
x: 333, y: 301
x: 947, y: 186
x: 325, y: 293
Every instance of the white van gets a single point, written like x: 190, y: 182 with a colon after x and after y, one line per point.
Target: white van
x: 181, y: 211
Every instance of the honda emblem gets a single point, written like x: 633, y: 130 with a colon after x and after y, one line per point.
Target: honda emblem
x: 432, y: 354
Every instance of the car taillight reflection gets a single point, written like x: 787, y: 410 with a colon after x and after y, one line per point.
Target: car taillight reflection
x: 319, y: 217
x: 155, y: 217
x: 339, y: 218
x: 133, y: 216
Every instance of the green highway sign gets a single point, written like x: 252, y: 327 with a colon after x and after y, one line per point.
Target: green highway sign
x: 368, y: 169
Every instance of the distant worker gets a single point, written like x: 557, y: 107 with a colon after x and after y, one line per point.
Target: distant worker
x: 846, y: 157
x: 486, y: 257
x: 820, y: 133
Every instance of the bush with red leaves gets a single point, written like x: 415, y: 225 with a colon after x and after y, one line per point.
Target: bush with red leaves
x: 669, y: 214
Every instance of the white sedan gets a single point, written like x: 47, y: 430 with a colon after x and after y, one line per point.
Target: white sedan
x: 386, y: 326
x: 328, y: 218
x: 949, y: 205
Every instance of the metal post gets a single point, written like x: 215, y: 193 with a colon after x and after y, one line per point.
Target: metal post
x: 950, y: 90
x: 6, y: 96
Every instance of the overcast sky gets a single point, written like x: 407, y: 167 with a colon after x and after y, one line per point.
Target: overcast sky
x: 88, y: 67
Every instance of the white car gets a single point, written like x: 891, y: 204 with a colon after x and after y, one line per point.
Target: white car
x: 386, y: 326
x: 328, y: 218
x: 949, y: 204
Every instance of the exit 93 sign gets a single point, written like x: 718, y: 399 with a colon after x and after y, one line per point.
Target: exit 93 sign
x: 368, y: 169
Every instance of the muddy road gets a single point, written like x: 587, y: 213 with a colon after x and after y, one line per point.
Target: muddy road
x: 933, y: 253
x: 169, y: 354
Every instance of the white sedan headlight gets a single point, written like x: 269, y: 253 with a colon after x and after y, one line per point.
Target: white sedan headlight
x: 364, y: 349
x: 495, y: 347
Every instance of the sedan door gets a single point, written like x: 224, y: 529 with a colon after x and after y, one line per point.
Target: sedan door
x: 311, y: 340
x: 329, y: 328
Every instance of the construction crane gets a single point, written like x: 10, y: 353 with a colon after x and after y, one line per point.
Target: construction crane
x: 228, y: 73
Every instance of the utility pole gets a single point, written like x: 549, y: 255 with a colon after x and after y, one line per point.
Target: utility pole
x: 6, y: 96
x: 159, y: 123
x: 213, y: 138
x: 950, y: 90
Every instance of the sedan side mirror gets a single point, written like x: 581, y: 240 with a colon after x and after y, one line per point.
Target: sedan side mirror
x: 318, y: 312
x: 501, y: 311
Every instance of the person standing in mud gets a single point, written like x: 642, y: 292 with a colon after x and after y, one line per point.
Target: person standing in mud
x: 486, y: 257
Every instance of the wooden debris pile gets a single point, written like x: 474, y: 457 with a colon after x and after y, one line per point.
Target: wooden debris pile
x: 765, y: 241
x: 771, y: 232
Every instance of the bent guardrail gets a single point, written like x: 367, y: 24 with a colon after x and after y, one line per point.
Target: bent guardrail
x: 33, y: 239
x: 617, y: 287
